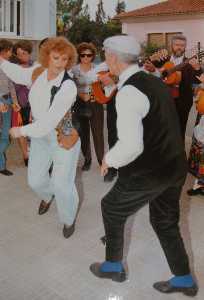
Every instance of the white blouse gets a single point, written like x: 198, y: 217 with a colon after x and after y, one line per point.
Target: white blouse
x: 83, y: 80
x: 46, y: 118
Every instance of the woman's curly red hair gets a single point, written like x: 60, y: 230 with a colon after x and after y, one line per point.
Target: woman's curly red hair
x: 60, y: 45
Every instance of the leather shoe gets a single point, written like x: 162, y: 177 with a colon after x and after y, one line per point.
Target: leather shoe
x: 86, y: 165
x: 195, y: 192
x: 6, y: 172
x: 115, y: 276
x: 167, y: 288
x: 110, y: 175
x: 44, y: 206
x: 68, y: 230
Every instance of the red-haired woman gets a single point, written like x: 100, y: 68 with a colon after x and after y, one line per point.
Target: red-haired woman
x: 57, y: 56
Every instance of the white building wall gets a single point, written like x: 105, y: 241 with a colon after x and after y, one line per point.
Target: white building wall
x: 44, y: 18
x: 193, y: 29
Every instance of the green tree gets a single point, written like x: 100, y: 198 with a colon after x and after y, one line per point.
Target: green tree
x: 120, y: 7
x: 100, y: 13
x: 67, y: 12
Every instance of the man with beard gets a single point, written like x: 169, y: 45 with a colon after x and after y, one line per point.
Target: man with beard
x: 182, y: 93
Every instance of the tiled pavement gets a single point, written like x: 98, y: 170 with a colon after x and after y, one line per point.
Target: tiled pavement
x: 37, y: 263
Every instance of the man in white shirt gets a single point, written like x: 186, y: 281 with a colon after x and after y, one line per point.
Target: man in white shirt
x: 150, y: 167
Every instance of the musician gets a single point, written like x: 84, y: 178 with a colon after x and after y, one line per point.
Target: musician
x: 150, y: 167
x: 183, y: 92
x: 7, y: 98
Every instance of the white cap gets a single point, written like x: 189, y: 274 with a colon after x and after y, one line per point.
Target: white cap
x: 123, y: 43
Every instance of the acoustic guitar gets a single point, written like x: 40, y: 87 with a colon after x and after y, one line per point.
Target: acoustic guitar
x: 98, y: 90
x: 171, y: 74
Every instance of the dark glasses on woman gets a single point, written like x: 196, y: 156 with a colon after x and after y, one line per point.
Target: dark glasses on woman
x: 87, y: 55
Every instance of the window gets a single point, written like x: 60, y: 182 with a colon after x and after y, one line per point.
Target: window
x: 156, y: 39
x: 11, y: 16
x: 162, y: 39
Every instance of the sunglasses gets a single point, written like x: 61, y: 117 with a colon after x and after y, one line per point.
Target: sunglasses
x: 86, y: 55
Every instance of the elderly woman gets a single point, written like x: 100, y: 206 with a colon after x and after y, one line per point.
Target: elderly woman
x: 57, y: 56
x: 87, y: 53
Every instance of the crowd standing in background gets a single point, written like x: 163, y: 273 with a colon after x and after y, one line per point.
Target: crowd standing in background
x: 146, y: 122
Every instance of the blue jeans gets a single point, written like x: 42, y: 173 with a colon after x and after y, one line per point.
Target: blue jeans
x: 61, y: 184
x: 4, y: 135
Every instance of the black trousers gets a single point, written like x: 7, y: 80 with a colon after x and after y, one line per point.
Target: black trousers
x: 183, y: 110
x: 96, y: 124
x: 126, y: 197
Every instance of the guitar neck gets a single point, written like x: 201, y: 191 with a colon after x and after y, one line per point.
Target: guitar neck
x: 178, y: 67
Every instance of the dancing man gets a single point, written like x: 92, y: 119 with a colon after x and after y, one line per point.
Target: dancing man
x: 150, y: 158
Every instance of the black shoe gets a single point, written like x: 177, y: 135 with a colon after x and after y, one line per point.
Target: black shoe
x: 26, y: 162
x: 103, y: 240
x: 86, y: 165
x: 6, y: 172
x: 68, y: 230
x: 44, y: 206
x: 115, y: 276
x: 110, y: 175
x: 195, y: 192
x: 166, y: 287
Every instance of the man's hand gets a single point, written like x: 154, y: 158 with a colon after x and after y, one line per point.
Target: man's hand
x: 148, y: 65
x: 194, y: 63
x: 85, y: 97
x: 15, y: 132
x: 104, y: 168
x: 201, y: 78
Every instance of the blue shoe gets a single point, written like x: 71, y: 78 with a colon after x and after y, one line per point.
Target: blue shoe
x: 115, y: 276
x: 167, y: 288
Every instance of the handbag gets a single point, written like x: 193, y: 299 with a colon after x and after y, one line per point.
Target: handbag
x: 68, y: 128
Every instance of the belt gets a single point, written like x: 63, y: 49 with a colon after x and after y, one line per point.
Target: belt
x: 6, y: 96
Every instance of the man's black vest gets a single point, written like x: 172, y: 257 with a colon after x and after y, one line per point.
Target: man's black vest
x: 163, y: 145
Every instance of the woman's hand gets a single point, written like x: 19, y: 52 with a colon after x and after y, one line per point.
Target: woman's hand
x: 16, y: 107
x: 85, y: 97
x: 15, y: 132
x: 3, y: 107
x: 67, y: 141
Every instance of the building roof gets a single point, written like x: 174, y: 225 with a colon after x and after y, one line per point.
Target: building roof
x: 170, y: 7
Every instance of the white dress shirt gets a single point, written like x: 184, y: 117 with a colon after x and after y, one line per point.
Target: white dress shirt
x: 46, y: 118
x: 177, y: 60
x: 131, y: 106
